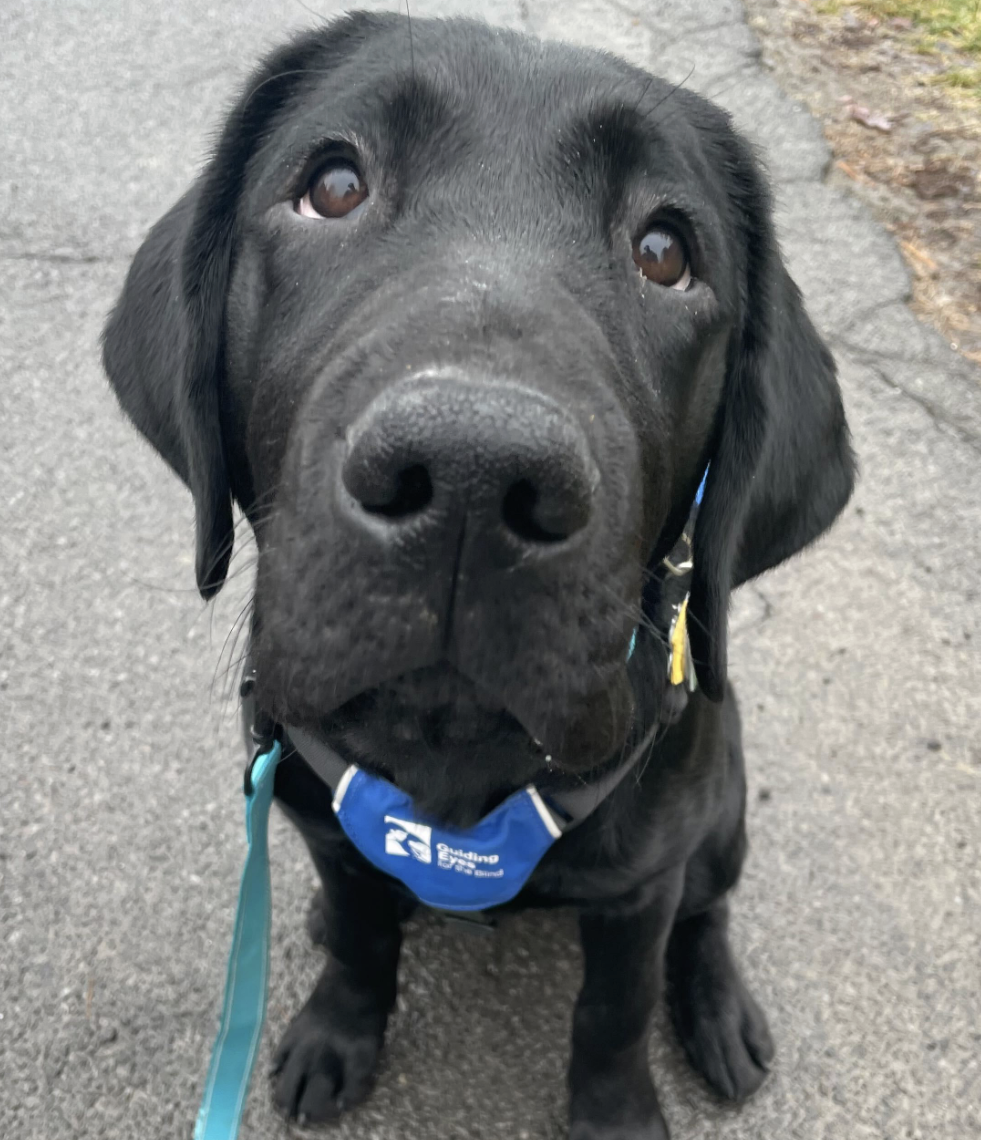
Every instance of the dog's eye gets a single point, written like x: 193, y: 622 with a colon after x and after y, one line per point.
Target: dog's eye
x: 662, y: 257
x: 336, y: 190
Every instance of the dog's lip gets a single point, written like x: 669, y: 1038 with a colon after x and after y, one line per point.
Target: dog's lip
x: 397, y: 716
x: 453, y: 758
x: 435, y: 708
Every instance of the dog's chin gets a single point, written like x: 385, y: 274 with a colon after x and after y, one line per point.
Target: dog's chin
x: 445, y: 742
x: 434, y: 733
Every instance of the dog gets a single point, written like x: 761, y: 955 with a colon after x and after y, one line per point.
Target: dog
x: 462, y: 321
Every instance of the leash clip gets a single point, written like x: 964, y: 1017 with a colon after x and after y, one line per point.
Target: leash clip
x: 264, y: 731
x: 680, y: 561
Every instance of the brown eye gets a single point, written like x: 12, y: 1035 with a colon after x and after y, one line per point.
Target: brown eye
x: 662, y: 258
x: 335, y: 191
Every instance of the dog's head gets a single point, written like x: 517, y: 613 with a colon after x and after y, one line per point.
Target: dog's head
x: 460, y: 322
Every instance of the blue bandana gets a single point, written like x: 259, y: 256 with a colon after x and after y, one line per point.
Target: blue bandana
x: 482, y: 867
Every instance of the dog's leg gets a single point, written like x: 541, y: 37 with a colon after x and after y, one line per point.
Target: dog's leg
x: 612, y: 1093
x: 722, y: 1029
x: 326, y: 1060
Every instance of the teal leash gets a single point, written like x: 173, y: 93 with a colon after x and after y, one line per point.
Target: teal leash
x: 244, y: 1009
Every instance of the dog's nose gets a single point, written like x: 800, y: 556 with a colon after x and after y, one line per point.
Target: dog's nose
x: 508, y: 458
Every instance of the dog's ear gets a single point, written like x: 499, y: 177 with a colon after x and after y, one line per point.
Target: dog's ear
x: 782, y: 466
x: 163, y: 345
x: 162, y: 351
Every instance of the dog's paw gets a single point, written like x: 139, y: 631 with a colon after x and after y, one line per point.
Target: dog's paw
x: 324, y: 1065
x: 724, y: 1032
x: 649, y: 1130
x: 616, y: 1104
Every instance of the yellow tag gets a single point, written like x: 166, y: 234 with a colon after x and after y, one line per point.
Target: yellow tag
x: 679, y: 645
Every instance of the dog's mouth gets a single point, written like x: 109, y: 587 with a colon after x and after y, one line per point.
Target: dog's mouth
x: 441, y: 738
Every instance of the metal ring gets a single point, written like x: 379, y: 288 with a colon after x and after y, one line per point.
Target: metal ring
x: 678, y: 571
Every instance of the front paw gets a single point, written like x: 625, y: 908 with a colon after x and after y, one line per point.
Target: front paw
x: 326, y: 1061
x: 620, y: 1104
x: 721, y: 1028
x: 651, y: 1130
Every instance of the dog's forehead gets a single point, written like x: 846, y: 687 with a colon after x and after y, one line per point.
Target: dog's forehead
x: 462, y: 87
x: 490, y: 73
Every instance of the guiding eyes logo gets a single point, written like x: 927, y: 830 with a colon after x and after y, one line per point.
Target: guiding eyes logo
x: 406, y: 834
x: 405, y: 838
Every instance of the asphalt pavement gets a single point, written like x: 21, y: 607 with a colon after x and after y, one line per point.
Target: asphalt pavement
x: 858, y: 665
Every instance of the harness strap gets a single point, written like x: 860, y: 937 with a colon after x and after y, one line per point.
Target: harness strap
x: 573, y: 805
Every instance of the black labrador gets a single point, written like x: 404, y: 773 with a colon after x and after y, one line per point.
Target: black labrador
x: 459, y: 319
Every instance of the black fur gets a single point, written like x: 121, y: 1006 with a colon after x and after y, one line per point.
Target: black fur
x: 483, y: 311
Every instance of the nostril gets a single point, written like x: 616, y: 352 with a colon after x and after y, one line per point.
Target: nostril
x: 411, y: 491
x: 523, y: 514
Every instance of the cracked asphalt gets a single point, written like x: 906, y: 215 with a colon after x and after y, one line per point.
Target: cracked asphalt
x: 858, y: 665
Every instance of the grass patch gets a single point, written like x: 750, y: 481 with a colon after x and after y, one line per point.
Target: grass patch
x: 957, y: 22
x: 967, y: 77
x: 938, y: 26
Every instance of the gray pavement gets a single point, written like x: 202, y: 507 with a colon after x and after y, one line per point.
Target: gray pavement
x: 859, y: 666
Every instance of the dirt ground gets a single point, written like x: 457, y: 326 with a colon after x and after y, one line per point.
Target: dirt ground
x: 905, y: 142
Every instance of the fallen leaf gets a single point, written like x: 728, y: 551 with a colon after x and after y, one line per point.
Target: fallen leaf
x: 918, y: 255
x: 864, y: 116
x: 959, y: 321
x: 853, y: 174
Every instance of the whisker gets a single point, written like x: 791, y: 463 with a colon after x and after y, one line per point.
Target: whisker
x: 313, y: 12
x: 412, y: 54
x: 647, y: 87
x: 238, y: 625
x: 675, y: 88
x: 278, y: 76
x: 639, y: 619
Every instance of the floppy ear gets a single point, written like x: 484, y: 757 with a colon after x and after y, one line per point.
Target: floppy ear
x: 782, y: 467
x: 162, y: 351
x: 163, y: 345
